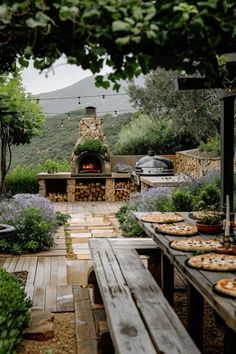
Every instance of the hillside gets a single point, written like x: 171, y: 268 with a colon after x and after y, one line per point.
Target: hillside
x: 85, y: 92
x: 57, y: 142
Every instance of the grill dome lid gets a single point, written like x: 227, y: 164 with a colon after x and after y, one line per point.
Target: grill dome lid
x: 154, y: 165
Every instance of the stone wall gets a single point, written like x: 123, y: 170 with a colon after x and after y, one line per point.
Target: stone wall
x: 192, y: 163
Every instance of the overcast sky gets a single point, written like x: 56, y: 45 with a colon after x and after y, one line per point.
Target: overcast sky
x: 62, y: 75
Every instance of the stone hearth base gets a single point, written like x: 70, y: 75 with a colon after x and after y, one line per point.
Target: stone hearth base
x: 59, y: 187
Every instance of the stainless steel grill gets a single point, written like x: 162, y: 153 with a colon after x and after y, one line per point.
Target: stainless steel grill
x: 154, y: 165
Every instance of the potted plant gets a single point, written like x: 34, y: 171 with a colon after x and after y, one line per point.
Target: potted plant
x: 51, y: 166
x: 209, y: 223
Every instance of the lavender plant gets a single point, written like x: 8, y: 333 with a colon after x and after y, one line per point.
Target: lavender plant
x: 153, y: 199
x: 35, y: 222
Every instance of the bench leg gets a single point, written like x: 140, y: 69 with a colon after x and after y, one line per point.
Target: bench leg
x: 97, y: 298
x: 195, y: 316
x: 167, y: 278
x: 105, y: 345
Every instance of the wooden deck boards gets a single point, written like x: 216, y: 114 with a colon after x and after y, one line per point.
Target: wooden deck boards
x: 50, y: 274
x: 46, y: 282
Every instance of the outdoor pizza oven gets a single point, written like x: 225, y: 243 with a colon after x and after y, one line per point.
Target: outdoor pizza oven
x: 154, y: 165
x: 85, y: 161
x: 90, y: 162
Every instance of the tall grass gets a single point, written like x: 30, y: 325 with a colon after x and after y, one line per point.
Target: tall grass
x: 23, y: 179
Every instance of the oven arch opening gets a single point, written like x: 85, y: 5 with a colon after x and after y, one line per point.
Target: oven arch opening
x: 90, y: 162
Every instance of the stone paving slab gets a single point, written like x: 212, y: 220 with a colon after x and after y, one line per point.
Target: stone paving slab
x: 83, y: 226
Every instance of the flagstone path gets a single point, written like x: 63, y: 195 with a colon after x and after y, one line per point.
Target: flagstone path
x: 87, y: 220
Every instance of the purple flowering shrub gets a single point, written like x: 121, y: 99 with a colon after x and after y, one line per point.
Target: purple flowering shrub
x: 199, y: 193
x: 152, y: 199
x: 34, y: 219
x: 26, y: 200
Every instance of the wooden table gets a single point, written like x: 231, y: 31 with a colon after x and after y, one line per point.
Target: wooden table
x: 200, y: 286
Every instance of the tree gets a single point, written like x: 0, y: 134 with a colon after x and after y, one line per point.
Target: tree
x: 130, y: 36
x: 20, y: 119
x: 194, y: 114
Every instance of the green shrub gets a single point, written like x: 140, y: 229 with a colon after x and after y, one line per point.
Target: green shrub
x: 90, y: 145
x: 211, y: 146
x: 182, y: 200
x: 153, y: 199
x: 14, y: 312
x: 33, y: 233
x: 55, y: 166
x: 130, y: 227
x: 62, y: 218
x: 207, y: 198
x: 93, y: 145
x: 34, y: 220
x: 144, y: 132
x: 200, y: 193
x: 22, y: 180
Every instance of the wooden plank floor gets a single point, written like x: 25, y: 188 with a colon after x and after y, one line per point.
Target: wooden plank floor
x: 50, y: 274
x: 46, y: 282
x: 90, y: 207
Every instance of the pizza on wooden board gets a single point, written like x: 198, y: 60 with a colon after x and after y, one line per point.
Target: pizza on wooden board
x: 213, y: 261
x: 182, y: 229
x: 162, y: 218
x: 226, y: 287
x: 195, y: 244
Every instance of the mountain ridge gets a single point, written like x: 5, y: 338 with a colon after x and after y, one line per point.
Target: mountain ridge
x: 84, y: 93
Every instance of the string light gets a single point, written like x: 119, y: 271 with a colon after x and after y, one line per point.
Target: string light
x: 79, y: 97
x: 98, y: 112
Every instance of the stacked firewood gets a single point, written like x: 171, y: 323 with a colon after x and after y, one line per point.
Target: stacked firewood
x: 123, y: 190
x: 57, y: 197
x: 94, y: 191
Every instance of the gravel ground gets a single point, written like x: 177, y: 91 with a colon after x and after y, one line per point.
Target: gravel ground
x: 64, y: 341
x: 213, y: 330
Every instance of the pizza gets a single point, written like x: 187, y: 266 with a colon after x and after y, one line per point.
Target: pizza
x: 213, y: 261
x: 182, y: 229
x: 201, y: 214
x: 195, y: 244
x: 226, y: 286
x: 162, y: 218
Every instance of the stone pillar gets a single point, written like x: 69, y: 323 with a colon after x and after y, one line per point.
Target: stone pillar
x: 42, y: 188
x: 110, y: 190
x: 70, y: 190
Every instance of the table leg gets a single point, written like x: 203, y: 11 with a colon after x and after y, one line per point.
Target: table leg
x: 195, y: 316
x: 229, y: 341
x: 154, y: 265
x: 167, y: 278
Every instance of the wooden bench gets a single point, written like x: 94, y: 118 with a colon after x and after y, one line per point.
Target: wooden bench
x: 140, y: 319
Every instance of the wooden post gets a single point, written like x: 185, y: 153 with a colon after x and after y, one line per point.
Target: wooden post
x: 195, y: 316
x: 227, y: 150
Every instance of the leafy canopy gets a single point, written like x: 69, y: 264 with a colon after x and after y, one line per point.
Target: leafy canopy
x: 130, y: 36
x: 19, y: 111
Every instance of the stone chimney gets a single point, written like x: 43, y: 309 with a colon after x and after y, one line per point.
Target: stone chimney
x: 90, y: 127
